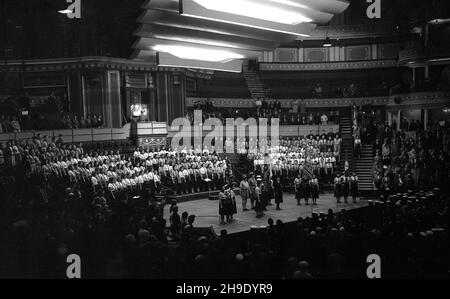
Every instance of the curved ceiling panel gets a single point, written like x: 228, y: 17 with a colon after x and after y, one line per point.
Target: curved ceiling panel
x: 146, y: 43
x: 179, y: 21
x: 214, y: 34
x: 204, y: 37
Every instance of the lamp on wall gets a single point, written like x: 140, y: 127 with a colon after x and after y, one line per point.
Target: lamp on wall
x: 327, y: 43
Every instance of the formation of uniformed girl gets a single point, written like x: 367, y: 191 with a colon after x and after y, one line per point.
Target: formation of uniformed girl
x: 345, y: 186
x: 306, y: 189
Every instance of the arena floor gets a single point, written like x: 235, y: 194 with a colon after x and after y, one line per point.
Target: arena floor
x: 206, y: 212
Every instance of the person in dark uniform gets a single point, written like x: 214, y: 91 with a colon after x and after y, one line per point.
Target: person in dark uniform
x: 265, y: 195
x: 337, y: 188
x: 268, y: 183
x: 354, y: 187
x: 298, y: 189
x: 346, y: 188
x: 252, y: 184
x: 229, y: 203
x: 175, y: 223
x: 278, y: 192
x: 314, y: 187
x: 222, y: 207
x: 258, y: 200
x: 306, y: 191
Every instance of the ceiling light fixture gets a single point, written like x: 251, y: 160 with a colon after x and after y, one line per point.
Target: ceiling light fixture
x: 252, y: 26
x: 169, y: 60
x: 254, y: 10
x: 327, y: 42
x: 65, y: 11
x: 289, y: 2
x: 197, y: 41
x: 197, y: 53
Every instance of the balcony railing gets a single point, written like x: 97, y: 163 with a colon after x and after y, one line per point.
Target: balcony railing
x: 327, y: 66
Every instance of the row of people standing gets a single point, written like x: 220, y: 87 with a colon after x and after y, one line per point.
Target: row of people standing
x: 306, y: 189
x: 260, y: 190
x: 345, y: 186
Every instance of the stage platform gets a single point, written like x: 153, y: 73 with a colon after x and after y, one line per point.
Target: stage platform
x: 206, y: 212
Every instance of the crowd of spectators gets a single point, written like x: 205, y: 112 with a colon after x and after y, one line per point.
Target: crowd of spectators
x: 410, y: 232
x: 340, y: 92
x: 62, y: 211
x: 32, y: 121
x: 294, y: 115
x: 411, y: 161
x: 9, y: 124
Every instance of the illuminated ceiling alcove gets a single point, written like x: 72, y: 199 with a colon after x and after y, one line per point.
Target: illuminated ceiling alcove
x: 220, y: 34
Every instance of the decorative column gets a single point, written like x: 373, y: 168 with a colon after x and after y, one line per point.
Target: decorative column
x: 389, y: 118
x: 399, y: 119
x: 113, y: 117
x: 425, y: 119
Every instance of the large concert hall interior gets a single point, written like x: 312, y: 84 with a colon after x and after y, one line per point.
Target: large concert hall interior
x: 224, y: 139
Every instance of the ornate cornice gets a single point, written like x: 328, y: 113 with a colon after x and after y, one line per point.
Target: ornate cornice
x: 327, y: 66
x: 408, y: 100
x: 95, y: 63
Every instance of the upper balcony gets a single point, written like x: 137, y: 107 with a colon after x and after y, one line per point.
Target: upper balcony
x: 428, y: 100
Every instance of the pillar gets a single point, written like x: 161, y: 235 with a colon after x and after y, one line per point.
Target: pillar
x: 427, y: 72
x: 425, y: 119
x: 113, y: 117
x: 399, y: 118
x: 171, y: 94
x: 94, y: 95
x: 75, y: 92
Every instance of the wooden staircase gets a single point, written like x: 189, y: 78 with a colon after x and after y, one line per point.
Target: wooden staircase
x: 364, y: 168
x: 345, y: 128
x: 256, y: 87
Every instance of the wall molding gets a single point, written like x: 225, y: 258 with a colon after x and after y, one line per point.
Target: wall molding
x: 94, y: 62
x: 355, y: 31
x: 408, y: 100
x: 327, y: 66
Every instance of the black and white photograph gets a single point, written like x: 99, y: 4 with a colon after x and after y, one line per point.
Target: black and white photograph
x: 239, y: 144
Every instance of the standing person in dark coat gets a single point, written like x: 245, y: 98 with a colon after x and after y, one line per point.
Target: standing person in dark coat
x: 252, y: 184
x: 354, y: 187
x: 265, y: 195
x: 231, y: 203
x: 222, y: 207
x: 258, y: 200
x: 346, y: 188
x: 175, y: 223
x: 314, y: 187
x: 337, y: 188
x: 306, y: 190
x: 278, y: 192
x: 298, y: 189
